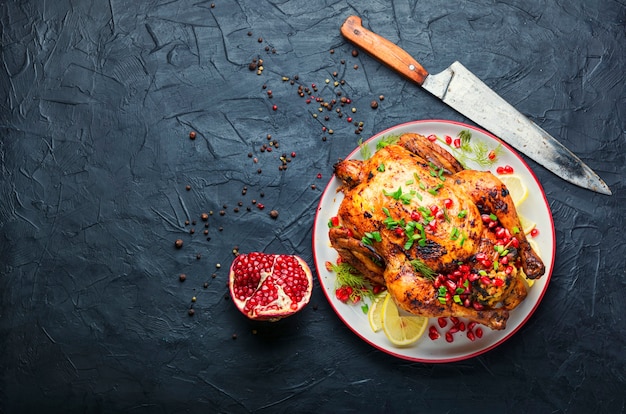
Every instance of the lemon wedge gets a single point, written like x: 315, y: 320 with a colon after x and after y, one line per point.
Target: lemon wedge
x: 374, y: 315
x: 527, y: 225
x: 401, y: 330
x: 516, y: 187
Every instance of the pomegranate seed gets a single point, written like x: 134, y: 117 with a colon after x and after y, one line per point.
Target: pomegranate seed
x: 434, y: 209
x: 498, y: 282
x: 450, y: 285
x: 274, y: 107
x: 534, y: 233
x: 454, y: 329
x: 416, y: 216
x: 319, y: 176
x: 456, y: 143
x: 433, y: 334
x: 477, y: 306
x: 449, y: 337
x: 399, y: 231
x: 439, y: 281
x: 479, y: 332
x: 328, y: 265
x: 454, y: 320
x: 471, y: 326
x: 461, y: 326
x: 500, y: 170
x: 471, y: 336
x: 432, y: 138
x: 442, y: 322
x: 491, y: 155
x: 448, y: 203
x: 448, y: 139
x: 508, y: 169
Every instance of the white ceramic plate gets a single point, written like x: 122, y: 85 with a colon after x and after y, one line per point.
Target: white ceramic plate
x: 535, y: 208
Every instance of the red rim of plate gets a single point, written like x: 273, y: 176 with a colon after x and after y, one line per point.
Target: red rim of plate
x: 547, y: 276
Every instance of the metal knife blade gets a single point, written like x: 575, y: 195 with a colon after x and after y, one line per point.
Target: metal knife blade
x: 467, y: 94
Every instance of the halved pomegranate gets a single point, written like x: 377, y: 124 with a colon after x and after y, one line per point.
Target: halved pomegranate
x: 269, y: 286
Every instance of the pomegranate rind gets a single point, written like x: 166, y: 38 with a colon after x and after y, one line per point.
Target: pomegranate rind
x: 253, y: 276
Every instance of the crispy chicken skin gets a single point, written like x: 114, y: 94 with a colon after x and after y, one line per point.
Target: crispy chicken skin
x: 401, y: 183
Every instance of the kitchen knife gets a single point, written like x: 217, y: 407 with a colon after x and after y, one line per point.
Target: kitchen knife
x: 464, y: 92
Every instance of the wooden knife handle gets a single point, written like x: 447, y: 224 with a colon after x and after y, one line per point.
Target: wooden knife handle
x: 382, y: 49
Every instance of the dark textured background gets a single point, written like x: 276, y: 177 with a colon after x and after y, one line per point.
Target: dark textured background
x: 97, y: 101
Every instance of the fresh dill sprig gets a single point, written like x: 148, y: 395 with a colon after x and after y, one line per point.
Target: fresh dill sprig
x: 423, y: 269
x: 387, y: 140
x: 476, y: 152
x: 364, y: 149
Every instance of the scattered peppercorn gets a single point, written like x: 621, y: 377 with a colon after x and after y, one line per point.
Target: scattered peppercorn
x: 204, y: 216
x: 187, y: 187
x: 355, y: 52
x: 191, y: 312
x: 178, y: 243
x: 182, y: 277
x: 274, y: 214
x: 192, y: 135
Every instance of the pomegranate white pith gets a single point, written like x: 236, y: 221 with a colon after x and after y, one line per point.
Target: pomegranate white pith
x: 269, y: 286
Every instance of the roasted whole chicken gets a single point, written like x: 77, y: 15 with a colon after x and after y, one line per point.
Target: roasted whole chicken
x: 444, y: 240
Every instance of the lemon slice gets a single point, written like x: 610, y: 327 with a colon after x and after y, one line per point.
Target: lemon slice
x: 374, y: 315
x: 527, y: 225
x: 516, y: 187
x: 401, y: 330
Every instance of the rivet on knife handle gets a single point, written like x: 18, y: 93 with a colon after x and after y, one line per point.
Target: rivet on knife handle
x: 382, y: 49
